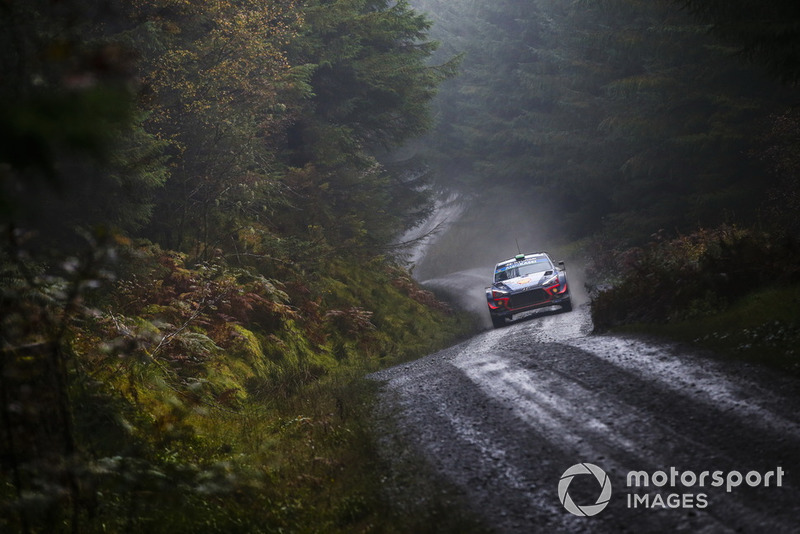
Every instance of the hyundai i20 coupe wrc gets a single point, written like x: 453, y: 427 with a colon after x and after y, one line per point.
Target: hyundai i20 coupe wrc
x: 526, y: 282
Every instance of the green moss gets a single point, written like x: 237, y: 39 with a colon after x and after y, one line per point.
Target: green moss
x: 225, y: 380
x: 205, y: 404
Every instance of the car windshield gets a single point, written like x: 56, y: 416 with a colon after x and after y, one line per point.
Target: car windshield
x: 521, y: 270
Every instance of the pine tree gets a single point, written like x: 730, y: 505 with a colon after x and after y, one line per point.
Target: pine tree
x: 364, y: 62
x: 72, y: 150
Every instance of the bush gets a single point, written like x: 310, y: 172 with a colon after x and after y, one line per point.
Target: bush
x: 184, y: 397
x: 691, y: 275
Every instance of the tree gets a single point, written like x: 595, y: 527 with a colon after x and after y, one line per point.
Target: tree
x: 368, y: 75
x: 768, y: 33
x: 618, y: 114
x: 364, y: 62
x: 72, y: 150
x: 217, y: 81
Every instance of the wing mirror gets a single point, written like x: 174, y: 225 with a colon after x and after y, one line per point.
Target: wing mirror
x: 561, y: 265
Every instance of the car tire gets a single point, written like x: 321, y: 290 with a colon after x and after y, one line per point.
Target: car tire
x: 567, y: 307
x: 498, y: 322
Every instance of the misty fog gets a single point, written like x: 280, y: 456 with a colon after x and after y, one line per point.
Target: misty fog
x: 557, y: 130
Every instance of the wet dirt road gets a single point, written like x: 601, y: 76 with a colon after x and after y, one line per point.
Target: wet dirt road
x: 505, y: 414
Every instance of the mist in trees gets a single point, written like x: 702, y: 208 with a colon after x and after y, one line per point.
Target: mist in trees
x: 196, y: 213
x: 614, y: 118
x: 199, y: 202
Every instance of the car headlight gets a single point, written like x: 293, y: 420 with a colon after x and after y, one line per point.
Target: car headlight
x: 550, y: 281
x: 498, y: 294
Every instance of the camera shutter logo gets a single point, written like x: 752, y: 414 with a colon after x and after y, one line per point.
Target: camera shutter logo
x: 584, y: 469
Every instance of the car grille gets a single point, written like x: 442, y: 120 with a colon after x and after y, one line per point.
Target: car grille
x: 527, y: 298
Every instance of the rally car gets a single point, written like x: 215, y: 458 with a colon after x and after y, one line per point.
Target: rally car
x: 526, y: 282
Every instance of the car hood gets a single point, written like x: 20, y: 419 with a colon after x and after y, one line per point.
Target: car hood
x: 527, y: 281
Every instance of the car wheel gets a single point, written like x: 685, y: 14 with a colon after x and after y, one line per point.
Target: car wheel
x: 498, y: 322
x: 566, y: 307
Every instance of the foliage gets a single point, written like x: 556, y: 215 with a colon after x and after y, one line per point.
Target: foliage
x: 365, y: 62
x: 209, y: 378
x: 761, y: 328
x: 692, y: 275
x: 368, y: 89
x: 196, y: 198
x: 764, y: 32
x: 782, y: 153
x: 197, y: 397
x: 74, y: 153
x: 621, y: 116
x: 216, y: 81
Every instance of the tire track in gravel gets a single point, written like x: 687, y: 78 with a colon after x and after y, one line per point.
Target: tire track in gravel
x: 504, y: 414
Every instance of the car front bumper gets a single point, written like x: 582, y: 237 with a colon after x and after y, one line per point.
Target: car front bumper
x: 525, y: 301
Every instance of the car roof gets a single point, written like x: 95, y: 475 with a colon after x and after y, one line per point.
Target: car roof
x: 520, y: 259
x: 523, y: 257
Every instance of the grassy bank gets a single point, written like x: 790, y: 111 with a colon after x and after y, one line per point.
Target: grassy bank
x: 210, y: 398
x: 762, y: 327
x: 733, y: 290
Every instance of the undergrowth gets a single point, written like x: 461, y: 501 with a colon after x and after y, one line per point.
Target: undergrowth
x: 729, y: 289
x: 208, y: 397
x: 692, y: 275
x: 762, y: 327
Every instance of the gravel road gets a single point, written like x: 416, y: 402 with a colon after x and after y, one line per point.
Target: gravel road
x: 503, y: 415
